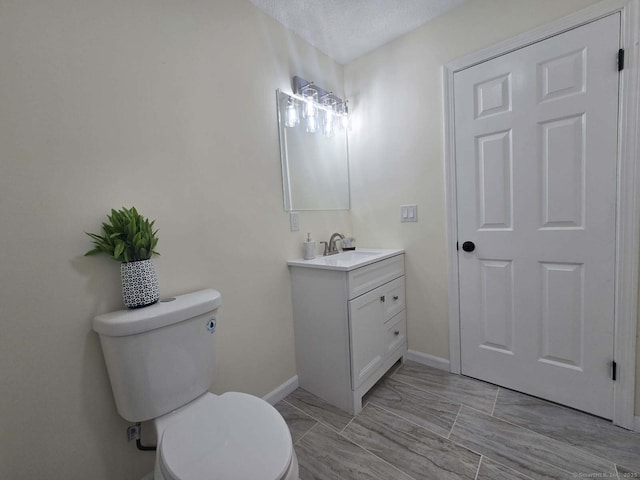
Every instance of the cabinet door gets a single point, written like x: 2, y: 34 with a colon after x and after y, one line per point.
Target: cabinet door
x: 366, y: 326
x: 393, y: 293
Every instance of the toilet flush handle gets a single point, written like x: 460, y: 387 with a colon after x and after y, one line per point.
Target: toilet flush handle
x: 211, y: 325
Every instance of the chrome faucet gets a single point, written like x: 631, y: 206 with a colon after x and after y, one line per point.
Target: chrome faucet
x: 331, y: 247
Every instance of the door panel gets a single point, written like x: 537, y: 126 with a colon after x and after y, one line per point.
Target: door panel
x: 495, y: 197
x: 497, y: 304
x: 536, y: 152
x: 562, y: 76
x: 563, y: 167
x: 562, y: 314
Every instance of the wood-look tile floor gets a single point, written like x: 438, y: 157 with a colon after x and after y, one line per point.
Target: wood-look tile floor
x: 422, y: 423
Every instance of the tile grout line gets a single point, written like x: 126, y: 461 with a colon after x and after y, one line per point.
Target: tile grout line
x: 493, y: 460
x: 437, y: 395
x: 423, y: 390
x: 374, y: 404
x: 305, y: 434
x: 318, y: 422
x: 479, y: 465
x: 300, y: 410
x: 540, y: 462
x: 340, y: 432
x: 376, y: 456
x: 354, y: 417
x: 495, y: 401
x: 566, y: 444
x: 314, y: 418
x: 576, y: 448
x: 305, y: 413
x: 448, y: 437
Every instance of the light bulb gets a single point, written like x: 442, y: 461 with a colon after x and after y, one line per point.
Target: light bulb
x: 329, y: 124
x: 310, y: 108
x: 311, y: 123
x: 291, y: 116
x: 344, y: 121
x: 343, y: 114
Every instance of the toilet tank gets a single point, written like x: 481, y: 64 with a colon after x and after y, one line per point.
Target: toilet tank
x: 162, y: 356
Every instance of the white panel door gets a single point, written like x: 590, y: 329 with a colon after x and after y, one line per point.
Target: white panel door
x: 536, y: 150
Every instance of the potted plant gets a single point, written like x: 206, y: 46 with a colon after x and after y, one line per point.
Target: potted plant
x: 128, y: 237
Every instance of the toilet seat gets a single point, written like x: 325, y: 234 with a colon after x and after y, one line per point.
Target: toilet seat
x: 233, y: 436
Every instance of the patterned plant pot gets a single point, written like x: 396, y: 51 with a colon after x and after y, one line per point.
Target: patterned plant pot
x: 139, y: 284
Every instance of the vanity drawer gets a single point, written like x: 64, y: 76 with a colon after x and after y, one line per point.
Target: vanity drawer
x: 364, y: 279
x: 396, y: 332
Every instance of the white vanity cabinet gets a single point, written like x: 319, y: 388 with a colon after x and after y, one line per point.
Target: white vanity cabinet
x: 350, y: 324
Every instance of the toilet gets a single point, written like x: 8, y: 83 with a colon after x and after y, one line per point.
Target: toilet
x: 161, y: 363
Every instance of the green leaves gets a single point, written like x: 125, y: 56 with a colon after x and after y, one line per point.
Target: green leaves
x: 127, y: 237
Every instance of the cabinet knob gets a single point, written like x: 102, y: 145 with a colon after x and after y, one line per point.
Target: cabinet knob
x: 396, y: 297
x: 396, y: 333
x: 382, y: 298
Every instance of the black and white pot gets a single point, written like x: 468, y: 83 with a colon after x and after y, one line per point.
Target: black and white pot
x: 139, y: 284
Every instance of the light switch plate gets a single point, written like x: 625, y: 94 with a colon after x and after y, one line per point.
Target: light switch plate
x: 294, y: 221
x: 408, y: 213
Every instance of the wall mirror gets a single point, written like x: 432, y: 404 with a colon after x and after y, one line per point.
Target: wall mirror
x: 315, y: 166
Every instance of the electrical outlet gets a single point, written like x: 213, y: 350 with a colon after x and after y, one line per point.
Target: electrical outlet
x: 294, y: 221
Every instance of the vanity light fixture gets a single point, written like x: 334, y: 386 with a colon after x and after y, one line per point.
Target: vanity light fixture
x: 321, y: 110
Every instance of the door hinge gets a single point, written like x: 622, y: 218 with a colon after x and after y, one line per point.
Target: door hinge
x: 614, y: 370
x: 621, y: 59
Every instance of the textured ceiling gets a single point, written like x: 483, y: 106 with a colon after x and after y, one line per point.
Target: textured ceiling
x: 347, y: 29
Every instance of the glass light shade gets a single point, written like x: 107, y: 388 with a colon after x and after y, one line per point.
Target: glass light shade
x: 344, y: 121
x: 310, y: 109
x: 343, y: 115
x: 310, y: 103
x: 311, y: 123
x: 291, y: 115
x: 329, y: 125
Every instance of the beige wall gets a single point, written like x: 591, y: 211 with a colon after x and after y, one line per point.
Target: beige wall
x: 169, y: 106
x: 396, y: 145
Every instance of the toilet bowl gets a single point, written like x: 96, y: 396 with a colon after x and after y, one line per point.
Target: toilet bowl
x: 233, y: 436
x: 161, y: 362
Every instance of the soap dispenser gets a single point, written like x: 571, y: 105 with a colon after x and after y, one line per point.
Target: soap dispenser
x: 309, y: 248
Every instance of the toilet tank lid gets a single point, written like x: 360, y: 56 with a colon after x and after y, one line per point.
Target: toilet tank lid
x: 165, y: 312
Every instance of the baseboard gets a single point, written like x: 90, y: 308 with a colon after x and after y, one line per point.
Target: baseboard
x: 428, y: 360
x: 637, y: 425
x: 282, y: 391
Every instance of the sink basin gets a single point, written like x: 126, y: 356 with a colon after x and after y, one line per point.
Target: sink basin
x: 352, y: 256
x: 347, y: 261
